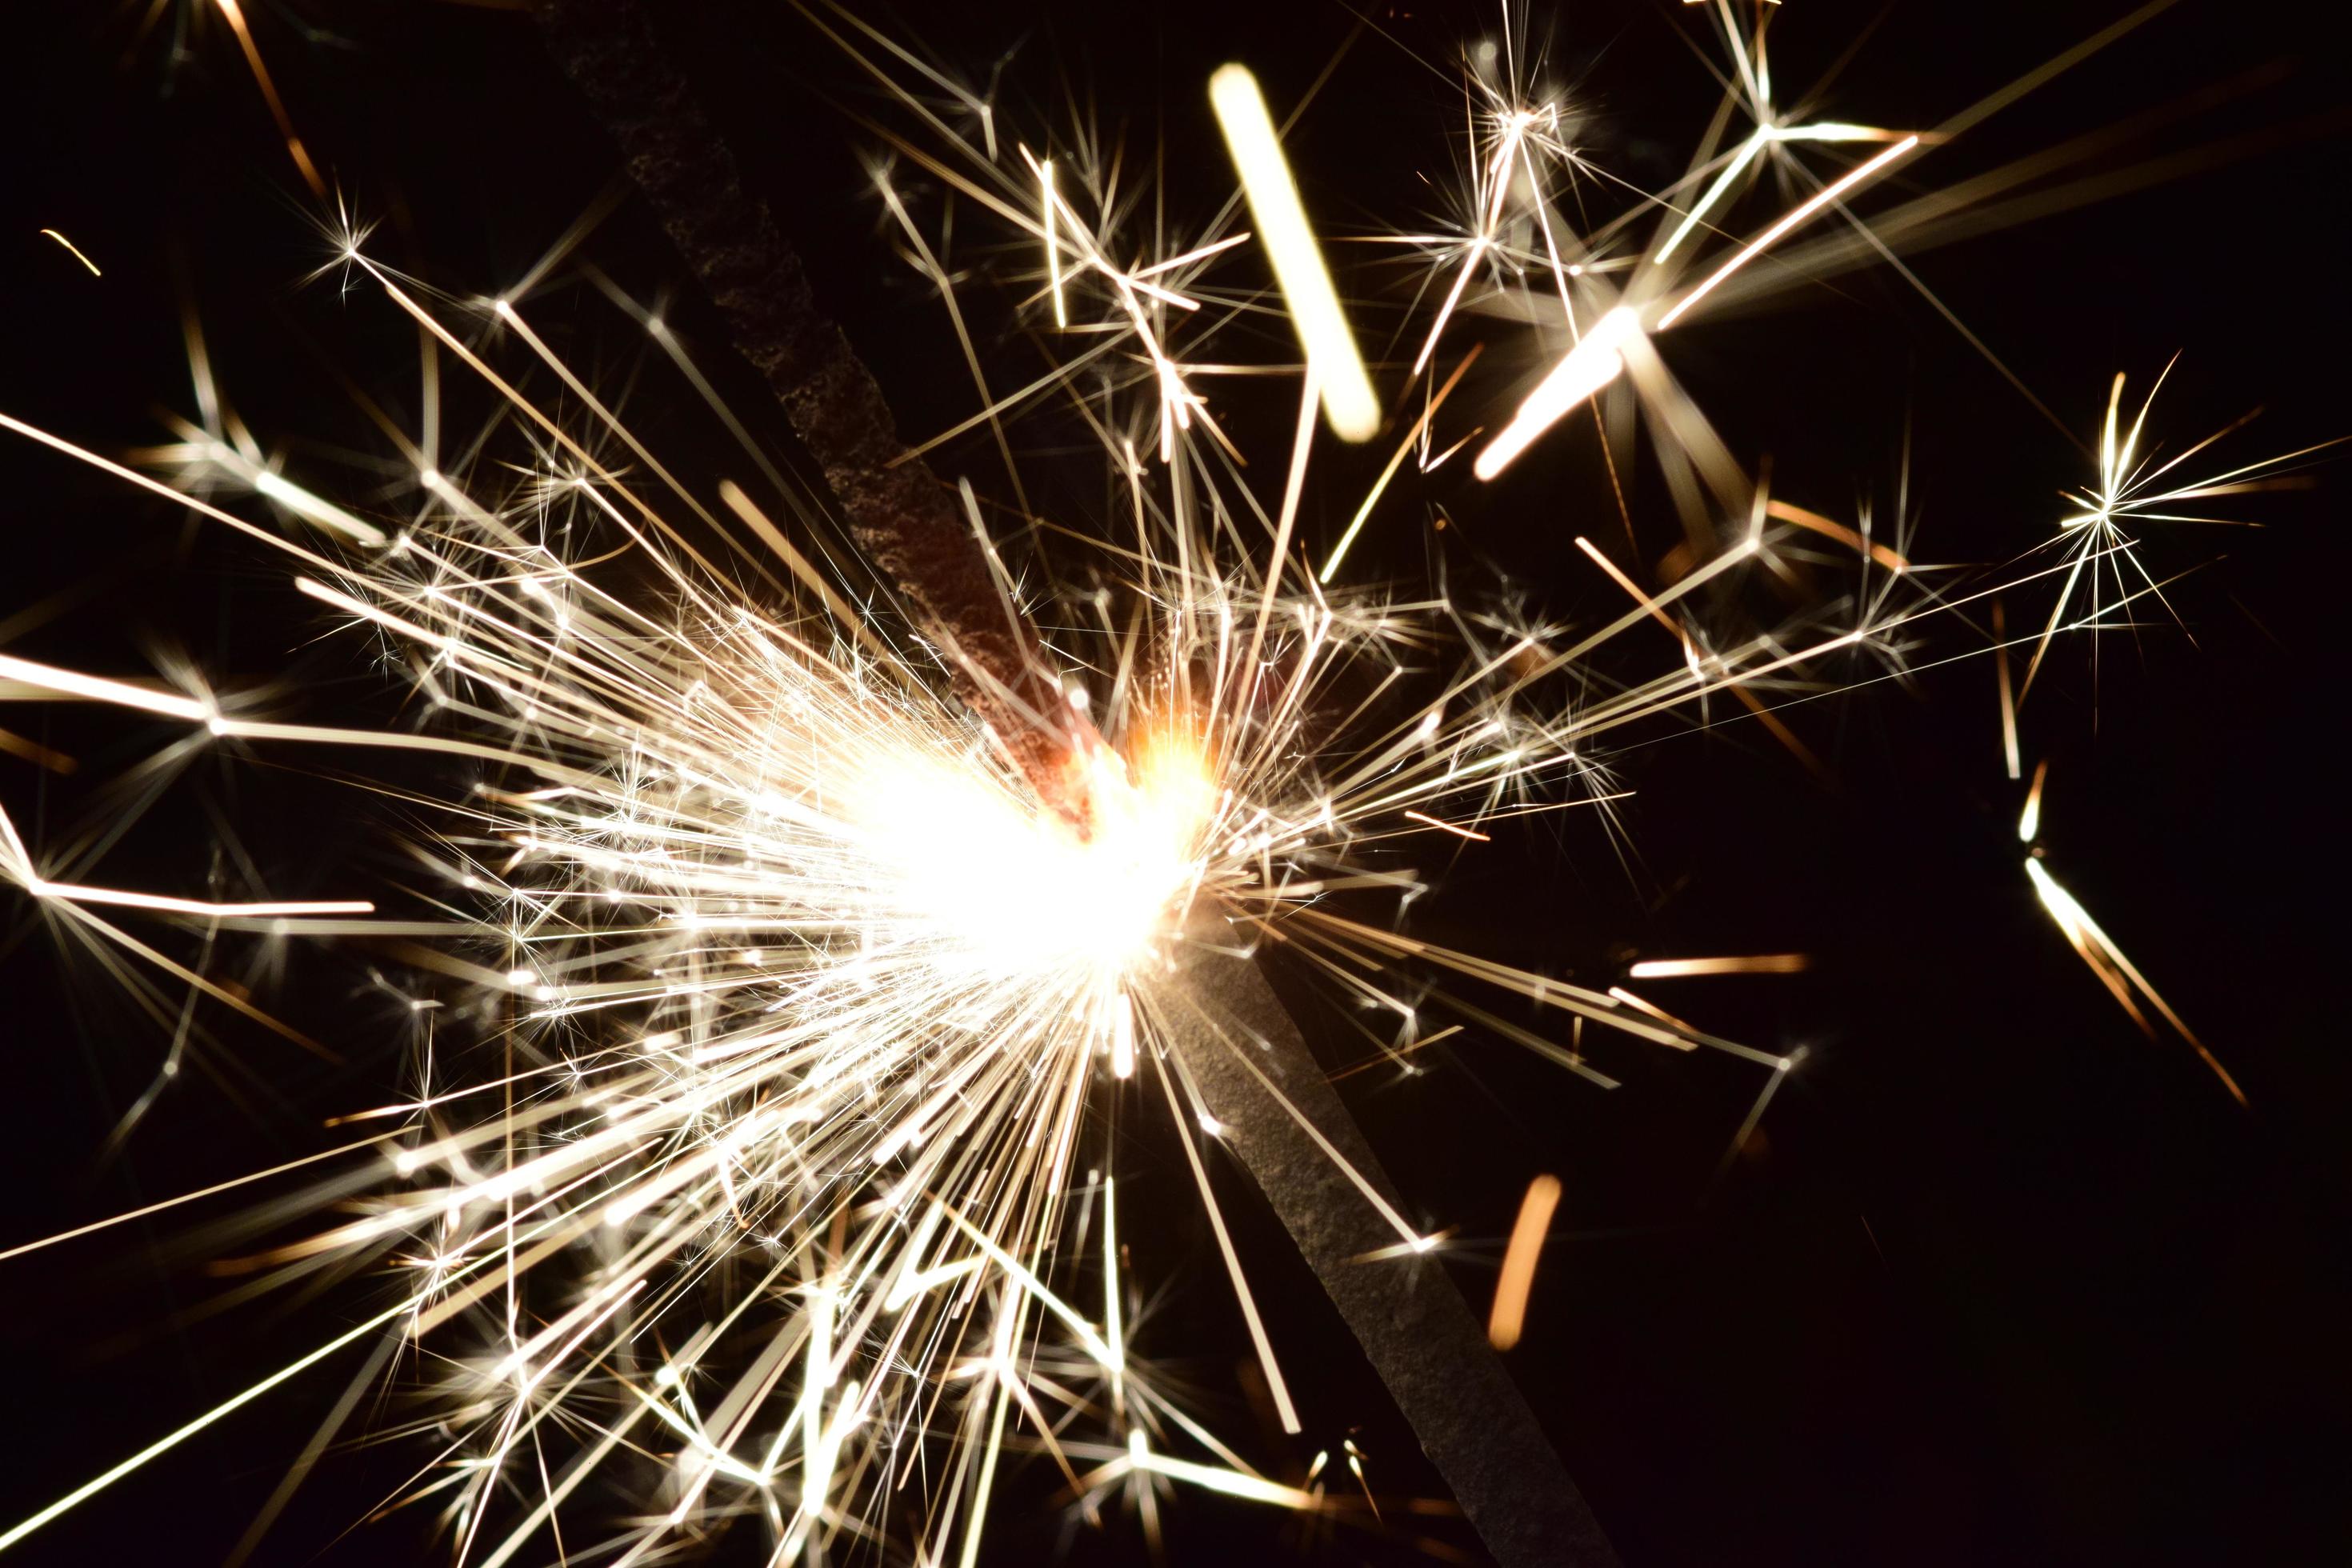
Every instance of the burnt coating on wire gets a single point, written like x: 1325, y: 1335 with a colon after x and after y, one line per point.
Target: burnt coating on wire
x: 900, y: 516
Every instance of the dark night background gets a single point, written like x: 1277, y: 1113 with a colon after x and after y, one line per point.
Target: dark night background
x: 1997, y: 1279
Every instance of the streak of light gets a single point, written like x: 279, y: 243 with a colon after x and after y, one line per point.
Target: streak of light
x: 1122, y: 1036
x: 368, y: 534
x: 1794, y: 216
x: 97, y: 688
x: 1461, y: 832
x: 1759, y: 139
x: 1591, y: 364
x: 1830, y: 528
x: 1654, y: 1011
x: 76, y: 894
x: 2106, y: 961
x: 1782, y: 1068
x: 2008, y: 696
x: 2029, y: 821
x: 1277, y: 1386
x: 1053, y: 246
x: 173, y: 1439
x: 1509, y: 1317
x: 1381, y: 485
x: 1779, y: 730
x: 1349, y: 404
x: 301, y: 156
x: 1688, y: 968
x: 75, y: 249
x: 1232, y: 1483
x: 34, y: 752
x: 1592, y: 552
x: 212, y: 1191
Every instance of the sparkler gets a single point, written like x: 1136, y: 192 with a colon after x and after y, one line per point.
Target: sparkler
x: 810, y: 936
x: 2134, y: 487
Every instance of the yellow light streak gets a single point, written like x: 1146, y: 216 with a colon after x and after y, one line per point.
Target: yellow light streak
x: 33, y: 751
x: 76, y: 251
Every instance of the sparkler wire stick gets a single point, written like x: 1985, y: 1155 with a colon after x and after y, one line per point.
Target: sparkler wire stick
x: 902, y: 519
x: 1420, y: 1337
x: 1423, y: 1341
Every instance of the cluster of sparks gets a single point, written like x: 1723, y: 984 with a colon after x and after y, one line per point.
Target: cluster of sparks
x: 779, y: 1187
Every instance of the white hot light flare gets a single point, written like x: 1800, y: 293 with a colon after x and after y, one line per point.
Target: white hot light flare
x: 1350, y: 406
x: 1596, y: 361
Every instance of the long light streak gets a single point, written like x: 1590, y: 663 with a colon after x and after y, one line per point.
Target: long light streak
x: 1794, y: 217
x: 1690, y: 968
x: 1348, y: 402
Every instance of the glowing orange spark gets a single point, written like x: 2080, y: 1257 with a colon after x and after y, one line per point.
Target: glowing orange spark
x: 1510, y: 1314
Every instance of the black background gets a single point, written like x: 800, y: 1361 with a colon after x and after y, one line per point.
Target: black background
x: 1997, y: 1279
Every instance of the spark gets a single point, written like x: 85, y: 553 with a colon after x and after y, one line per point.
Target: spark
x: 47, y: 678
x: 2094, y: 540
x: 1830, y: 528
x: 75, y: 250
x: 33, y: 751
x: 73, y: 893
x: 1773, y: 129
x: 1349, y: 404
x: 1454, y: 829
x: 1620, y: 994
x: 163, y: 1445
x: 234, y: 16
x: 1794, y: 217
x: 2116, y: 971
x: 1595, y: 362
x: 2008, y: 697
x: 1598, y: 358
x: 1688, y: 968
x: 1380, y: 486
x: 2029, y: 821
x: 1518, y: 1277
x: 1053, y: 245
